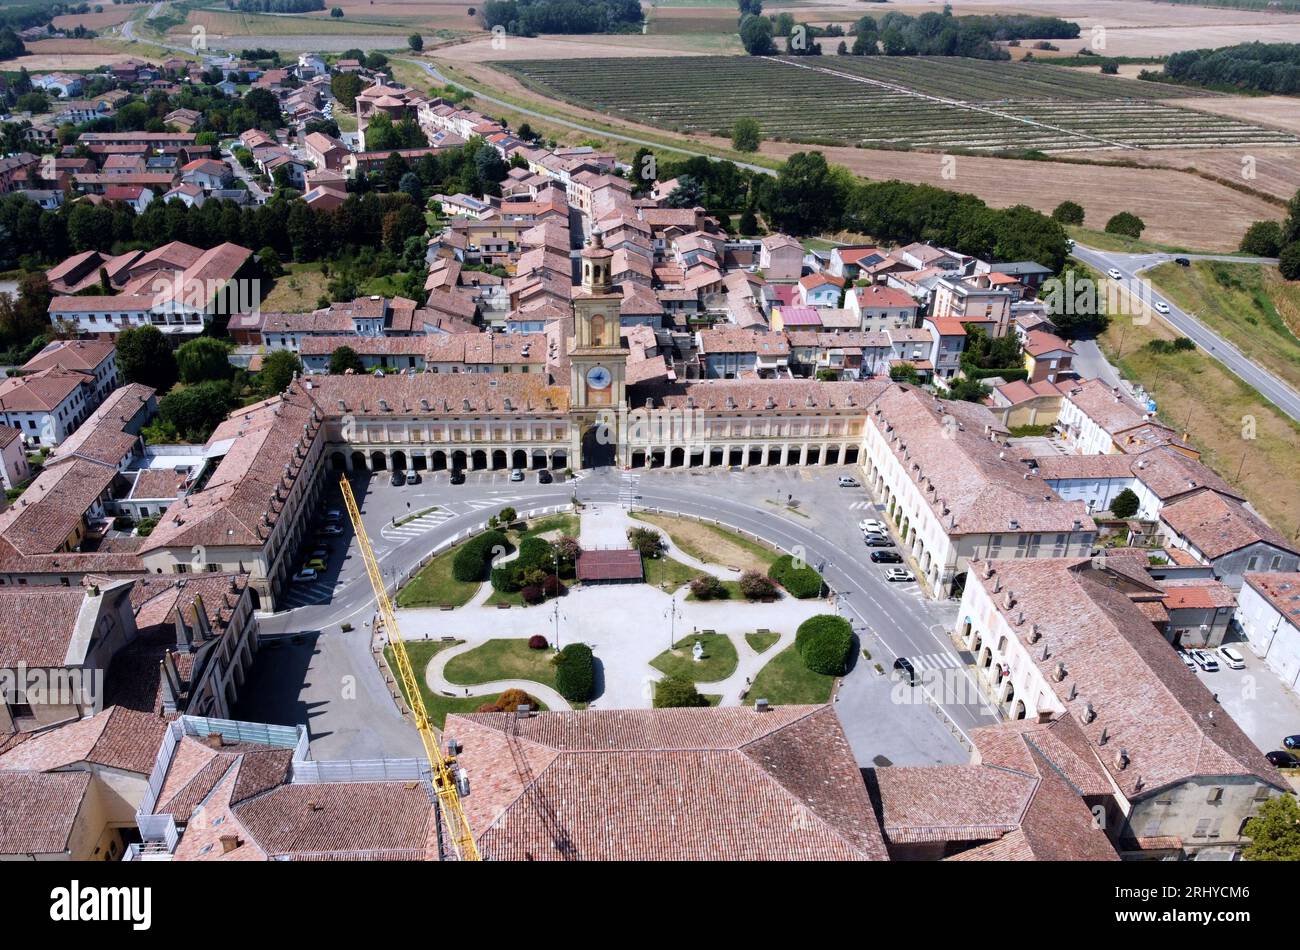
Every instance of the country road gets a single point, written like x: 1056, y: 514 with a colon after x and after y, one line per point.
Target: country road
x: 1130, y: 266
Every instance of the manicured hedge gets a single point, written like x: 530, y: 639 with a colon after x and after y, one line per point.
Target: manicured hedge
x: 534, y: 555
x: 575, y: 673
x: 825, y: 643
x: 677, y: 692
x: 802, y: 582
x: 474, y: 559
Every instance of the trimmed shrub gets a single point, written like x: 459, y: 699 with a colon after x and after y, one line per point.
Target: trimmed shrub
x: 552, y: 586
x: 825, y: 643
x: 647, y: 541
x: 677, y: 692
x: 537, y: 642
x: 532, y: 594
x: 757, y: 587
x: 489, y: 707
x: 529, y: 569
x: 474, y: 558
x: 575, y: 673
x: 707, y: 587
x: 512, y: 699
x: 801, y: 581
x: 1125, y: 504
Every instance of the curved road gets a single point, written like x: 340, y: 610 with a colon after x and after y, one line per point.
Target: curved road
x: 1131, y: 265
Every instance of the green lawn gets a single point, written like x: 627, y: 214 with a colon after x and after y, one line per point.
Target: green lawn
x: 761, y: 642
x: 564, y: 524
x: 436, y: 704
x: 786, y: 681
x: 1118, y: 242
x: 666, y: 573
x: 502, y: 660
x: 1249, y: 304
x: 712, y: 544
x: 731, y: 592
x: 435, y: 586
x: 719, y: 661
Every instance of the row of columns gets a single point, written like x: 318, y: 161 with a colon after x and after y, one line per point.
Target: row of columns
x: 469, y: 459
x: 715, y: 456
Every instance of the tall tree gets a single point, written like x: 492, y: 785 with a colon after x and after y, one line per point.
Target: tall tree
x: 145, y: 356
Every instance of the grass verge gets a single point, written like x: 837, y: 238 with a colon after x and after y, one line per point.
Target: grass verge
x: 501, y: 660
x: 786, y: 681
x: 718, y: 663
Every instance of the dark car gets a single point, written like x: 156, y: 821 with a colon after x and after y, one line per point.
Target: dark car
x: 399, y: 478
x: 544, y: 477
x: 1182, y: 262
x: 904, y: 670
x: 458, y: 477
x: 877, y: 541
x: 886, y: 557
x: 1291, y: 742
x: 1282, y: 760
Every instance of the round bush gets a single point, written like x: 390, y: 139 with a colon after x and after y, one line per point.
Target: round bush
x: 801, y: 581
x: 825, y: 643
x: 474, y: 558
x: 552, y: 586
x: 512, y: 699
x: 757, y: 587
x: 537, y: 642
x: 575, y: 673
x: 532, y: 594
x: 677, y: 692
x: 707, y: 587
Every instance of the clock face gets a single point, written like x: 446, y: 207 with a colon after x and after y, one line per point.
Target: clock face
x: 598, y: 377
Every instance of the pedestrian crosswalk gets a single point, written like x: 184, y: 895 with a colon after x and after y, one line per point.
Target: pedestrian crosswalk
x: 935, y: 661
x: 302, y: 595
x: 415, y: 527
x: 862, y: 505
x: 629, y: 489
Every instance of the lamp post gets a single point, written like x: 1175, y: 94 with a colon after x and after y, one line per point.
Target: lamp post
x: 672, y: 614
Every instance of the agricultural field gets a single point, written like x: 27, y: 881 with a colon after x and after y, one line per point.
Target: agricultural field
x: 877, y: 103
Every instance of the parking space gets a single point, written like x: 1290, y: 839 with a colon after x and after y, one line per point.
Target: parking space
x: 1262, y: 705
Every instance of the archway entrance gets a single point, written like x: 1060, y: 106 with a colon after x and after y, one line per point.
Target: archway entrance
x: 597, y: 447
x: 399, y: 461
x: 358, y: 461
x: 337, y: 462
x: 377, y: 462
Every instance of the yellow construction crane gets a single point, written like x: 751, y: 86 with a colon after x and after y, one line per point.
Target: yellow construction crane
x: 443, y: 765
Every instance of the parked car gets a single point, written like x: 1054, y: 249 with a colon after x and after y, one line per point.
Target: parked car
x: 1182, y: 262
x: 904, y: 670
x: 544, y: 477
x: 398, y: 478
x: 458, y: 477
x: 1187, y: 660
x: 899, y: 574
x: 1205, y: 661
x: 886, y: 557
x: 877, y: 541
x: 848, y: 481
x: 316, y: 564
x: 1160, y: 307
x: 321, y: 552
x: 330, y: 530
x: 1282, y: 760
x: 1231, y: 658
x: 306, y: 575
x: 516, y: 474
x: 1291, y: 742
x: 412, y: 477
x: 333, y: 514
x: 1114, y: 274
x: 869, y: 526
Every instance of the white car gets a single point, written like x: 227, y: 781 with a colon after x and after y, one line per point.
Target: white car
x: 1205, y: 660
x: 306, y: 575
x: 1160, y: 307
x: 1232, y: 658
x: 1187, y: 660
x: 899, y: 574
x: 1114, y: 274
x: 848, y: 481
x: 870, y: 526
x: 516, y: 475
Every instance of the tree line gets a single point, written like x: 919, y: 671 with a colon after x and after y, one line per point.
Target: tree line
x: 530, y: 17
x: 276, y: 6
x: 1262, y: 67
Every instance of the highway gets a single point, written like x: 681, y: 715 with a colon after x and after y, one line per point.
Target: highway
x: 1130, y: 266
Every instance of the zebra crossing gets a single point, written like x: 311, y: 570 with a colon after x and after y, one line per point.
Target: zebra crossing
x: 935, y: 661
x: 302, y: 595
x: 862, y: 506
x: 415, y: 527
x: 628, y: 490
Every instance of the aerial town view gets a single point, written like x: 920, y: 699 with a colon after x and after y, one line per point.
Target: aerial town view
x: 650, y: 430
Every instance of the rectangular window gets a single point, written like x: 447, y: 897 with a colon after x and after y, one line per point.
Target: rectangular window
x: 1215, y: 795
x: 1202, y: 828
x: 1252, y: 564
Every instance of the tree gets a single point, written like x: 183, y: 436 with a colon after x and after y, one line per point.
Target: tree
x: 1288, y: 261
x: 345, y: 87
x: 1110, y: 69
x: 967, y: 390
x: 415, y: 41
x: 203, y: 358
x: 756, y: 35
x: 807, y: 194
x: 575, y: 673
x: 688, y: 193
x: 345, y: 358
x: 1125, y: 504
x: 755, y: 586
x: 1068, y: 212
x: 336, y: 12
x: 707, y: 587
x: 647, y: 541
x: 278, y: 369
x: 194, y: 411
x: 677, y: 692
x: 144, y: 356
x: 746, y: 134
x: 748, y: 223
x: 1129, y: 225
x: 1263, y: 239
x: 1274, y: 833
x: 905, y: 373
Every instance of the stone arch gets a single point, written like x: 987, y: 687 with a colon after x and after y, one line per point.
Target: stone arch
x: 377, y: 462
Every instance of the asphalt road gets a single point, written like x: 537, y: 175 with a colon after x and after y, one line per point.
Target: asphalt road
x: 1132, y: 265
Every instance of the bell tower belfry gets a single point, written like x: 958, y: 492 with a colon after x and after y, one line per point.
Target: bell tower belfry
x: 597, y: 359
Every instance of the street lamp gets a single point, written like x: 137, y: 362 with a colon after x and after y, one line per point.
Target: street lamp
x: 672, y: 613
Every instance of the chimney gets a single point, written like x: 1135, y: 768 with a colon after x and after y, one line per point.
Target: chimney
x: 1034, y: 633
x: 201, y: 623
x: 1059, y: 674
x: 1089, y: 713
x: 184, y: 635
x: 761, y: 705
x: 213, y: 740
x: 1121, y: 759
x: 229, y: 843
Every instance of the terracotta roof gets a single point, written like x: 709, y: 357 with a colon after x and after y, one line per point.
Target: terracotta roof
x: 42, y: 391
x: 116, y: 738
x: 1281, y: 590
x: 741, y: 785
x: 38, y: 811
x: 54, y: 506
x: 1216, y: 525
x: 622, y: 565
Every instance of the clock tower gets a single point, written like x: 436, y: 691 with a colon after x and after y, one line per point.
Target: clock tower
x: 597, y: 358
